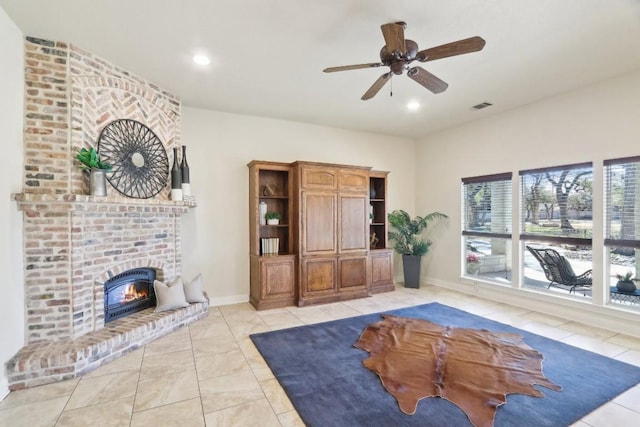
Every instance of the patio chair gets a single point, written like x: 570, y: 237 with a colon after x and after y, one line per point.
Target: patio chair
x: 558, y: 271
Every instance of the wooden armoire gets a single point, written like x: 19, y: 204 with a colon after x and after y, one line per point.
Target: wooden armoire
x: 332, y: 236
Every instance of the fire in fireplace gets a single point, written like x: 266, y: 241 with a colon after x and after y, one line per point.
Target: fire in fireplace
x: 129, y: 292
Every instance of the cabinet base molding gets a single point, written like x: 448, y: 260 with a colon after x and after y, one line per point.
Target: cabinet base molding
x: 305, y: 302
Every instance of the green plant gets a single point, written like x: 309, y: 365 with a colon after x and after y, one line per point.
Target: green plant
x: 89, y: 159
x: 625, y: 277
x: 272, y: 215
x: 406, y: 235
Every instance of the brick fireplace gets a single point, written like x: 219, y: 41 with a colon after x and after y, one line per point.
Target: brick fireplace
x: 74, y: 243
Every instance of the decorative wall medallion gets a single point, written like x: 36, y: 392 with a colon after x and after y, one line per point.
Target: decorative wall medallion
x: 139, y: 159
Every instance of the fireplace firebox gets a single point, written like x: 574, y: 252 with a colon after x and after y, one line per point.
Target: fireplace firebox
x: 129, y: 292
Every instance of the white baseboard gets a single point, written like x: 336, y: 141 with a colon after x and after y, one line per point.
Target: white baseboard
x: 233, y: 299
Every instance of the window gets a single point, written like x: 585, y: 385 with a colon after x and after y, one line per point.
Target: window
x: 556, y: 208
x: 487, y: 216
x: 557, y: 203
x: 622, y: 218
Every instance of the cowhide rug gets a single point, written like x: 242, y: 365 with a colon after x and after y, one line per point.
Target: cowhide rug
x: 473, y: 368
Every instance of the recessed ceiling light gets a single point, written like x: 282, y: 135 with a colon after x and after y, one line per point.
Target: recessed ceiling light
x: 201, y: 60
x: 413, y: 105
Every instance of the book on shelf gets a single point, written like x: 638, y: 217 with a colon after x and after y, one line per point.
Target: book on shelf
x: 270, y: 245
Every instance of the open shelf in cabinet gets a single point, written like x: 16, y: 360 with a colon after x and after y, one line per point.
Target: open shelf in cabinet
x: 378, y: 220
x: 274, y: 192
x: 281, y: 232
x: 380, y: 255
x: 270, y: 188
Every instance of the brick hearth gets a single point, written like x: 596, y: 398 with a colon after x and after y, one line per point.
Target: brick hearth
x: 48, y: 361
x: 73, y: 243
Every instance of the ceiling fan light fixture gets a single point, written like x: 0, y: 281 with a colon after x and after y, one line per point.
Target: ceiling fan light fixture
x: 398, y: 53
x: 201, y: 59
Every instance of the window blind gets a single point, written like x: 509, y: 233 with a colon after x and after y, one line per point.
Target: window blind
x: 556, y: 204
x: 486, y: 202
x: 622, y: 202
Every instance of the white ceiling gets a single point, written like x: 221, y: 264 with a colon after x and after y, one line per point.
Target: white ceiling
x: 268, y: 55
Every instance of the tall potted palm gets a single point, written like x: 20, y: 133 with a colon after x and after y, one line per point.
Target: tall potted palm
x: 408, y: 240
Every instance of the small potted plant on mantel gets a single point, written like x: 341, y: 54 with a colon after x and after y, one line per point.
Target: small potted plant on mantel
x: 91, y: 164
x: 273, y: 218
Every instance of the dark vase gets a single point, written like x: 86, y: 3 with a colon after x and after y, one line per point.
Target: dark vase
x: 626, y: 286
x: 184, y: 166
x: 176, y: 172
x: 411, y: 270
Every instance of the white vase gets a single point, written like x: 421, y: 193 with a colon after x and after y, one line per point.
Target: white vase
x: 273, y: 221
x: 262, y: 211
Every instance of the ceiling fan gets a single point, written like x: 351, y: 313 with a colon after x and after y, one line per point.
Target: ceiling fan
x: 398, y: 53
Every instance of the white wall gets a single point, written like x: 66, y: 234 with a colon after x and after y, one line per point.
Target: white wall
x: 595, y: 123
x: 11, y: 105
x: 219, y: 146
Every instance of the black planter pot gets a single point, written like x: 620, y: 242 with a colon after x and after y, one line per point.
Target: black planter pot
x: 411, y: 269
x: 626, y: 286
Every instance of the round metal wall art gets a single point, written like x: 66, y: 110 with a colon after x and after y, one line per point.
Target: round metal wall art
x: 140, y: 166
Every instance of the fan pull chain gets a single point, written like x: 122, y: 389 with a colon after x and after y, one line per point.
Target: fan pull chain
x: 391, y: 89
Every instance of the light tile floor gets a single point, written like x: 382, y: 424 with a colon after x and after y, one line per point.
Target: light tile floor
x: 209, y: 373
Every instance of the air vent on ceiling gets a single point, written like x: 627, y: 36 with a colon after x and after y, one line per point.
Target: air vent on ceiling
x: 482, y: 105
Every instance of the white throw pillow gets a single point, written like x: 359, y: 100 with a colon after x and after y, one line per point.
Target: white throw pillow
x: 193, y: 290
x: 169, y: 297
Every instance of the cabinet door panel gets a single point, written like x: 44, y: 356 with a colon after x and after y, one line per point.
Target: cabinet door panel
x: 318, y: 276
x: 273, y: 281
x: 381, y: 268
x: 353, y: 180
x: 353, y: 224
x: 278, y: 278
x: 314, y: 178
x: 319, y: 223
x: 352, y: 273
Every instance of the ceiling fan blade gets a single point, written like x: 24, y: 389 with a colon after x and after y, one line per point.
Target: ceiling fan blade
x: 394, y: 38
x: 352, y: 67
x: 472, y: 44
x: 427, y: 79
x: 376, y: 86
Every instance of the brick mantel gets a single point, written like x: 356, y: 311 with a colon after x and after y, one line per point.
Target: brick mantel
x: 83, y: 201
